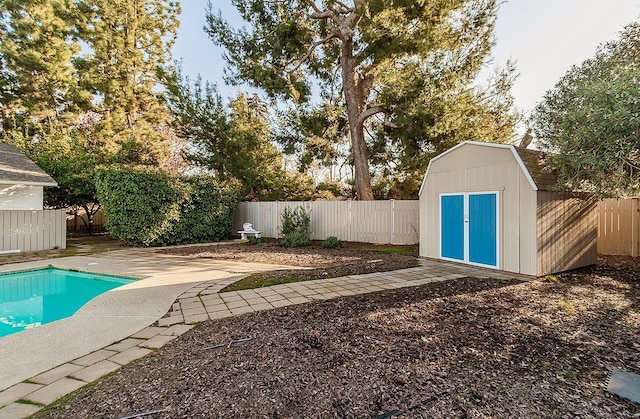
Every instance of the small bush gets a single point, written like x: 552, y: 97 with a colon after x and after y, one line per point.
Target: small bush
x: 550, y: 278
x: 295, y: 229
x: 569, y: 307
x: 257, y: 240
x: 332, y: 242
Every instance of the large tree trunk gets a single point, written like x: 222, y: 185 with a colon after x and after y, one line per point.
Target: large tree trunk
x: 350, y: 88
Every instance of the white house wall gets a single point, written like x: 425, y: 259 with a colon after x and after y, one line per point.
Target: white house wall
x: 21, y: 197
x: 477, y: 168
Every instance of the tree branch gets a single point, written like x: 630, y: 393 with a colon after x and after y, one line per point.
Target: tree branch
x: 310, y: 51
x: 322, y: 15
x: 369, y: 113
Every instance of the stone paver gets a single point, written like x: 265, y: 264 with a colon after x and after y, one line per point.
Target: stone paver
x: 177, y: 330
x: 281, y: 303
x: 194, y: 311
x: 129, y: 355
x: 237, y: 304
x: 18, y: 411
x: 157, y: 342
x: 215, y: 308
x: 123, y: 345
x: 148, y: 332
x: 197, y: 318
x: 52, y: 392
x: 55, y: 374
x: 241, y: 310
x: 94, y: 357
x: 17, y: 392
x: 219, y: 315
x: 299, y: 300
x: 95, y: 371
x: 168, y: 321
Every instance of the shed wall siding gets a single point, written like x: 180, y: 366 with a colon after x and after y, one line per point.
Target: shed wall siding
x: 475, y: 168
x: 567, y: 233
x: 21, y: 197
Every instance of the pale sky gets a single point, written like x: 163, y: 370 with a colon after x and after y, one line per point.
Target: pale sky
x: 544, y: 38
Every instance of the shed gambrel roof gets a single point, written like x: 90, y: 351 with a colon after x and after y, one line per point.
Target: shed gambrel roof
x: 15, y: 167
x: 535, y: 161
x: 532, y: 162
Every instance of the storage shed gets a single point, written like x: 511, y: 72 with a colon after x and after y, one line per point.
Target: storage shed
x: 491, y: 205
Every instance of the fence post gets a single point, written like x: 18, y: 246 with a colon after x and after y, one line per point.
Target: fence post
x: 635, y: 227
x: 393, y: 221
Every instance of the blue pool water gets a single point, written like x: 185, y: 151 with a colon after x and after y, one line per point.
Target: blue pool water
x: 32, y: 298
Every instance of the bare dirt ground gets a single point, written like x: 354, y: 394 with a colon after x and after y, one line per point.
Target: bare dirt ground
x: 467, y: 348
x: 319, y: 262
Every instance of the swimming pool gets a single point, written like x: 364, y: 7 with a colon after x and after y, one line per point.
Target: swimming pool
x: 32, y: 298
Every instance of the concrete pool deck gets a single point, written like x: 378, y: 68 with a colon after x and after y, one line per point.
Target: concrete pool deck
x: 173, y: 293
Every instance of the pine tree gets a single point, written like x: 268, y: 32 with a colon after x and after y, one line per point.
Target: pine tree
x: 384, y: 53
x: 130, y: 40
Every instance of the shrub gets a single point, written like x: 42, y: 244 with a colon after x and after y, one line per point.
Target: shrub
x: 296, y: 224
x: 256, y: 240
x: 149, y: 207
x: 332, y: 242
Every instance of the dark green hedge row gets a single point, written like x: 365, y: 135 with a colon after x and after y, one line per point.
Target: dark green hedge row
x: 149, y: 207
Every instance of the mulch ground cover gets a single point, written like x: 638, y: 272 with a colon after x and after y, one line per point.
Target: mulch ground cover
x: 466, y: 348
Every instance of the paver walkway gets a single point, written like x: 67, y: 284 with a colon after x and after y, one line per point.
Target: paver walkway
x: 203, y: 302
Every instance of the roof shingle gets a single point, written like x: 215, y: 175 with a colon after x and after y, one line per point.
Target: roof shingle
x: 15, y: 167
x: 542, y: 174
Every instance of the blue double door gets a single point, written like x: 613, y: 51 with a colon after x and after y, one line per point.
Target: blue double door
x: 469, y: 228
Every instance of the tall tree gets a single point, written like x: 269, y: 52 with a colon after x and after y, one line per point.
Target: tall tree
x: 372, y: 46
x: 590, y: 121
x: 129, y: 41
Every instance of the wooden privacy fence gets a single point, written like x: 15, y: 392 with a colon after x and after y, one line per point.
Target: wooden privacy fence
x: 78, y: 223
x: 619, y: 227
x: 358, y: 221
x: 32, y: 231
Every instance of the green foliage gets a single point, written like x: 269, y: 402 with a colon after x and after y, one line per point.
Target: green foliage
x: 387, y: 59
x: 589, y: 121
x: 550, y: 278
x: 295, y: 229
x: 234, y: 142
x: 129, y: 41
x: 257, y: 240
x: 332, y: 242
x: 84, y: 72
x: 149, y: 207
x: 37, y: 46
x: 436, y: 119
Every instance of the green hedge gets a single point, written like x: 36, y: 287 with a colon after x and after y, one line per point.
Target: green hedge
x: 149, y: 207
